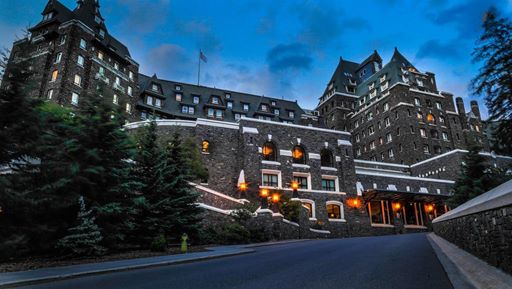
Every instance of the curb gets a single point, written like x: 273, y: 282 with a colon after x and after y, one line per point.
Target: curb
x: 275, y: 243
x: 33, y: 281
x: 466, y: 271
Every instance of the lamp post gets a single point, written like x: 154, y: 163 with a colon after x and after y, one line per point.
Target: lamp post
x: 275, y: 199
x: 264, y: 193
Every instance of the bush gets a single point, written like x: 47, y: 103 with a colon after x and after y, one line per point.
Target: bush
x: 159, y: 244
x: 291, y: 210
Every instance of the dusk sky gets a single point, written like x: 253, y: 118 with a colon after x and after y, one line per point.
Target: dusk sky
x: 283, y: 48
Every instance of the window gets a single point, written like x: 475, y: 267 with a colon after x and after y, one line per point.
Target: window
x: 230, y: 104
x: 419, y: 115
x: 310, y: 205
x: 102, y: 71
x: 238, y: 116
x: 62, y: 39
x: 195, y: 99
x: 431, y: 118
x: 398, y: 131
x: 177, y: 87
x: 387, y: 122
x: 380, y: 212
x: 264, y: 107
x: 115, y: 99
x: 441, y: 120
x: 74, y: 98
x: 97, y: 19
x: 77, y: 80
x: 369, y: 116
x: 149, y: 100
x: 426, y: 149
x: 420, y: 82
x: 291, y: 114
x: 158, y: 102
x: 273, y: 103
x: 335, y: 210
x: 130, y: 75
x: 118, y: 80
x: 130, y: 91
x: 48, y: 16
x: 445, y: 136
x: 83, y: 44
x: 55, y: 74
x: 143, y: 115
x: 128, y: 108
x: 100, y: 55
x: 422, y: 132
x: 58, y: 57
x: 178, y: 96
x: 302, y: 181
x: 437, y: 150
x: 187, y: 109
x: 211, y: 112
x: 389, y: 138
x: 102, y: 33
x: 372, y: 145
x: 391, y: 154
x: 298, y: 155
x: 371, y: 130
x: 328, y: 184
x: 434, y: 134
x: 276, y: 111
x: 269, y: 151
x: 215, y: 100
x: 358, y: 152
x: 326, y: 158
x: 438, y: 105
x: 270, y: 180
x: 49, y: 94
x: 417, y: 101
x: 116, y: 66
x: 228, y: 95
x: 80, y: 60
x: 154, y: 87
x: 358, y: 139
x: 218, y: 114
x: 386, y: 106
x: 205, y: 147
x: 246, y: 107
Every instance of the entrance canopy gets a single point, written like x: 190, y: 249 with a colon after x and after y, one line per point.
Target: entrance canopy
x: 377, y: 195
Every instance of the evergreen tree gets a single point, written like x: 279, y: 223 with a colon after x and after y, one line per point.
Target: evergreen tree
x: 494, y: 81
x: 198, y: 171
x: 85, y: 238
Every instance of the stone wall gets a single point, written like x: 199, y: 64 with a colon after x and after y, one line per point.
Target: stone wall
x: 482, y: 226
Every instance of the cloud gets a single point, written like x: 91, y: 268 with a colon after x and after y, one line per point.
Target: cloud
x: 294, y: 56
x: 144, y: 16
x: 201, y: 33
x: 435, y: 49
x: 169, y: 61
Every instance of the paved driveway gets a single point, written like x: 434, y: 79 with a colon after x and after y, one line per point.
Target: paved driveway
x: 391, y: 262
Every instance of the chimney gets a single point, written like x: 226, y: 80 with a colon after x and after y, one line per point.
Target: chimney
x: 475, y: 109
x: 460, y: 106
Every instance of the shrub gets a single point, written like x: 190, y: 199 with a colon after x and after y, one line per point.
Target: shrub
x: 159, y: 244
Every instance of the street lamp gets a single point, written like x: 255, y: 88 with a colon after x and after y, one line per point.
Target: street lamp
x: 275, y: 199
x: 264, y: 198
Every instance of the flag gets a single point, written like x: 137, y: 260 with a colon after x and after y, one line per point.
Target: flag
x: 203, y: 57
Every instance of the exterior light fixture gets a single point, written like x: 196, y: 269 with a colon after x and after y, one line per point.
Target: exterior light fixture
x: 295, y: 187
x: 264, y: 193
x: 396, y: 206
x: 242, y: 187
x: 429, y: 208
x: 354, y: 203
x: 276, y: 198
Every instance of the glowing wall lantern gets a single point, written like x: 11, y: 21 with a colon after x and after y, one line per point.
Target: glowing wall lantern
x: 276, y: 198
x: 242, y: 187
x: 264, y: 193
x: 429, y: 208
x: 297, y: 153
x: 295, y: 185
x: 354, y: 202
x: 396, y: 206
x: 205, y: 146
x: 267, y: 150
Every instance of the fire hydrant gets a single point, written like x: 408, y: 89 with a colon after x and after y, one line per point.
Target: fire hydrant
x: 184, y: 245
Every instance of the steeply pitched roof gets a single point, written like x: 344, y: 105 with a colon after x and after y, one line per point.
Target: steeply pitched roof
x: 173, y: 108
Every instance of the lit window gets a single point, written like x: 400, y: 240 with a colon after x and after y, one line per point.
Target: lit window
x: 205, y: 147
x: 431, y: 118
x: 419, y: 115
x: 80, y: 60
x: 309, y: 206
x: 78, y: 80
x: 158, y: 102
x: 100, y: 55
x: 302, y: 181
x: 334, y: 211
x: 380, y: 212
x: 115, y: 100
x: 178, y: 96
x: 58, y: 57
x: 74, y: 98
x: 269, y: 152
x: 55, y: 74
x: 49, y: 94
x: 298, y: 155
x: 83, y: 43
x: 128, y: 108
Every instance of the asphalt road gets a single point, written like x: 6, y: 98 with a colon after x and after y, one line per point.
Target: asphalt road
x: 388, y: 262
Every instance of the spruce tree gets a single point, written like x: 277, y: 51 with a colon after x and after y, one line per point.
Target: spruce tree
x: 83, y: 239
x: 494, y: 82
x: 198, y: 171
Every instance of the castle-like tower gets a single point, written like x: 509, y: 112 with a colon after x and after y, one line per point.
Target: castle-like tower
x: 71, y: 53
x: 395, y: 112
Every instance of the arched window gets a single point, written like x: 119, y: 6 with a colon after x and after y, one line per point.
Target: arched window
x: 326, y: 158
x: 269, y: 151
x: 431, y: 118
x: 310, y: 205
x: 205, y: 147
x: 298, y: 155
x: 335, y: 210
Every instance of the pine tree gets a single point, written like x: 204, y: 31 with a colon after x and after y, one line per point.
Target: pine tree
x: 193, y: 159
x: 83, y: 239
x: 494, y: 81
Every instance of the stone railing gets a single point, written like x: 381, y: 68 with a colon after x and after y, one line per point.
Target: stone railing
x: 482, y: 226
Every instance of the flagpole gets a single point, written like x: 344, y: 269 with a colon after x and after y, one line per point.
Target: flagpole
x: 198, y: 67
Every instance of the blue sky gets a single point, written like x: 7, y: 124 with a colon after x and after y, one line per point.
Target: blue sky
x: 283, y: 48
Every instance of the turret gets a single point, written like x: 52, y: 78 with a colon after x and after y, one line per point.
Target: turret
x: 460, y: 106
x: 475, y: 109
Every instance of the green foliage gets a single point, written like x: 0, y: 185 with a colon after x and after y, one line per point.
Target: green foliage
x: 476, y: 178
x: 83, y: 239
x: 493, y: 81
x: 290, y: 209
x: 159, y: 244
x: 197, y: 170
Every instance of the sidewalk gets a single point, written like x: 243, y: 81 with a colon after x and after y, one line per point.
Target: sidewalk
x: 465, y: 270
x: 48, y: 274
x: 11, y: 279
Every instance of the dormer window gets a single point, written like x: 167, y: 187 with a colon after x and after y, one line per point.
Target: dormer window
x: 48, y: 16
x: 102, y: 33
x: 228, y: 95
x: 215, y: 100
x: 264, y: 107
x: 276, y: 111
x: 97, y: 19
x: 420, y: 82
x: 273, y: 103
x: 246, y: 107
x: 177, y: 87
x: 179, y: 96
x: 291, y: 114
x: 230, y: 104
x: 195, y: 99
x: 154, y: 87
